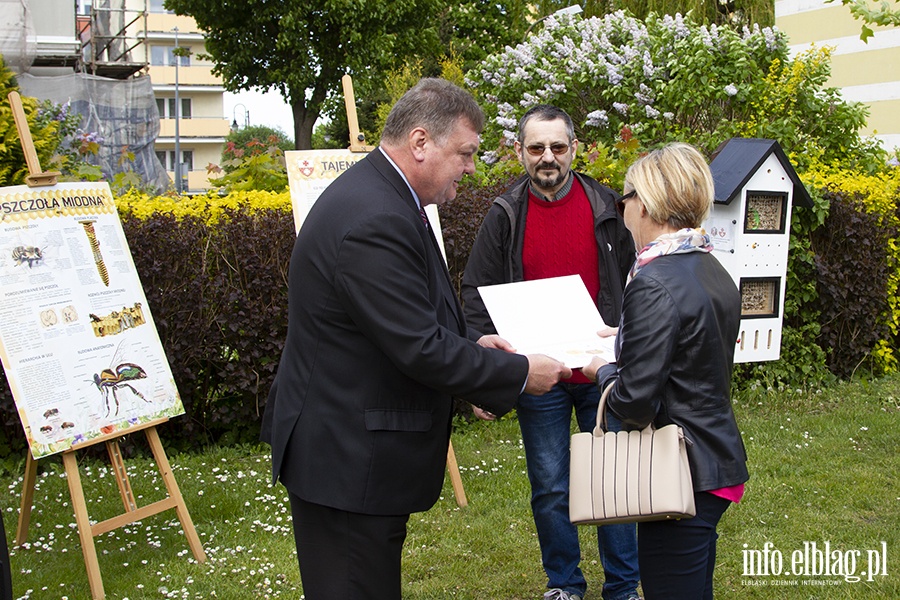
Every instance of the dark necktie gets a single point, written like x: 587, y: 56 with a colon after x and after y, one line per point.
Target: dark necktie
x: 424, y: 216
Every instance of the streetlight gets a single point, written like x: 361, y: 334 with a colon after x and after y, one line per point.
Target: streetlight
x: 234, y: 122
x: 569, y: 10
x: 177, y: 120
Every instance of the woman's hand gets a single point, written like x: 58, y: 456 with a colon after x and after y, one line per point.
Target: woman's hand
x: 590, y: 371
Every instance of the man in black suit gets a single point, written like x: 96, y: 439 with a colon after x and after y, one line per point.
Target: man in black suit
x: 377, y: 346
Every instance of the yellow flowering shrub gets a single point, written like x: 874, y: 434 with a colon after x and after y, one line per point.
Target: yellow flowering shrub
x: 208, y: 208
x: 879, y: 196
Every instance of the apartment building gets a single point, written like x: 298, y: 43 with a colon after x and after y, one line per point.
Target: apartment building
x: 202, y: 128
x: 99, y: 43
x: 865, y: 72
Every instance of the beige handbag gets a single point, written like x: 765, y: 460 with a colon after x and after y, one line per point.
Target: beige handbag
x: 625, y: 477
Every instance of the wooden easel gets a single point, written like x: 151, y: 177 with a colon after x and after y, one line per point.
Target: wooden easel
x: 86, y: 531
x: 357, y: 140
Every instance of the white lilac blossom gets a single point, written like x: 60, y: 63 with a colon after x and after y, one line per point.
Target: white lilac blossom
x: 529, y: 100
x: 597, y: 118
x: 613, y: 75
x: 771, y: 36
x: 613, y: 62
x: 642, y: 99
x: 649, y: 68
x: 506, y: 122
x: 676, y: 25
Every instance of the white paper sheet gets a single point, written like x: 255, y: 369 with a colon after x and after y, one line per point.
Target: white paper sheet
x: 554, y: 316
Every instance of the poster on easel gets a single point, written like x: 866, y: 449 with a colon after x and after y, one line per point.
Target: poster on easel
x: 310, y: 172
x: 81, y: 352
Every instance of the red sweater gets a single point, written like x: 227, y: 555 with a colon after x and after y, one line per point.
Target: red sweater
x: 559, y: 240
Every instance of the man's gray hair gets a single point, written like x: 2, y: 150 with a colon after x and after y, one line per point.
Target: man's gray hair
x: 546, y: 112
x: 435, y: 105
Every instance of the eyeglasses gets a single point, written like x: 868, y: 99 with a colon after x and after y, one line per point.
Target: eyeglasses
x: 620, y: 203
x: 538, y: 149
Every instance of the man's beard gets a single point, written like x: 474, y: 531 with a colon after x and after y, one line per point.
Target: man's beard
x: 545, y: 182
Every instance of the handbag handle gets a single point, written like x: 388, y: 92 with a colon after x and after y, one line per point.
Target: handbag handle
x: 600, y: 427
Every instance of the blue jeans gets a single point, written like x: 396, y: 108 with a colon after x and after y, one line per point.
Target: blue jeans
x: 546, y: 431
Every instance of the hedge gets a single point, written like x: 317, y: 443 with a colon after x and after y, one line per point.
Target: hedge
x: 214, y: 270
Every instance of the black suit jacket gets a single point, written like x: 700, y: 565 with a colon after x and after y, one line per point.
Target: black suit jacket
x: 359, y: 415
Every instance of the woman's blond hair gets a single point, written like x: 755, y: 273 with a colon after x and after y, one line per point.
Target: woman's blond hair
x: 675, y: 185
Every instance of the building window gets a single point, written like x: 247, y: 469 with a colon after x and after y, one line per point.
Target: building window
x: 84, y: 7
x: 156, y: 6
x: 167, y: 158
x: 166, y: 108
x: 164, y: 56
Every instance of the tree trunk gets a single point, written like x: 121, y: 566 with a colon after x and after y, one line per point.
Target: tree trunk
x: 304, y: 121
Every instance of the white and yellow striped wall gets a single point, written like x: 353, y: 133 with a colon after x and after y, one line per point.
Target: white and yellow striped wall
x: 865, y: 72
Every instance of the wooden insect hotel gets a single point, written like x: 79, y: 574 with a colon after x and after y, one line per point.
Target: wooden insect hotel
x: 750, y: 227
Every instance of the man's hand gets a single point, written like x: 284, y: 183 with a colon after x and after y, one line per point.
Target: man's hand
x: 543, y: 373
x: 483, y: 414
x: 608, y: 331
x: 495, y: 341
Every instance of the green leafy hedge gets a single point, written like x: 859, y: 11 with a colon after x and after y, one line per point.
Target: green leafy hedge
x: 214, y: 270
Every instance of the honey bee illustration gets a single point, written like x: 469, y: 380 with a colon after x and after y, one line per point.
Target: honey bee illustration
x: 27, y: 254
x: 108, y: 381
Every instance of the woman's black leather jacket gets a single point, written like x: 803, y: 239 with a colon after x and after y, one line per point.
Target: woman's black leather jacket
x: 676, y: 342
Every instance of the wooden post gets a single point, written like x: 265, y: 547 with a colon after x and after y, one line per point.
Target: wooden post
x: 357, y: 139
x: 76, y: 492
x: 36, y: 178
x: 27, y: 500
x: 456, y: 478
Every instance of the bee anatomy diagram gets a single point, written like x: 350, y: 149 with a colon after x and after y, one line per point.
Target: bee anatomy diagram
x: 110, y: 381
x: 27, y: 254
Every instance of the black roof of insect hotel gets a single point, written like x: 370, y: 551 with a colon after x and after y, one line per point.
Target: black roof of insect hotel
x: 736, y: 161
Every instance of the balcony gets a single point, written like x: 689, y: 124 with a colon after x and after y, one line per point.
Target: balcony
x: 165, y: 23
x: 194, y: 75
x: 209, y: 127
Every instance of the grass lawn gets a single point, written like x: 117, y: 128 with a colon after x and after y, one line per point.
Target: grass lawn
x: 824, y: 470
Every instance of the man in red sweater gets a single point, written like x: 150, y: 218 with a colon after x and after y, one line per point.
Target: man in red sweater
x: 550, y: 223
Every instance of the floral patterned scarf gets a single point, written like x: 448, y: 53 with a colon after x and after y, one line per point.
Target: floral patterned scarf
x: 679, y: 242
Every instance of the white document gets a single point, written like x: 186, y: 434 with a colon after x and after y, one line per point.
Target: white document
x: 554, y: 316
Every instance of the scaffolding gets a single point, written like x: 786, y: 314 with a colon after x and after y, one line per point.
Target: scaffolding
x: 109, y: 36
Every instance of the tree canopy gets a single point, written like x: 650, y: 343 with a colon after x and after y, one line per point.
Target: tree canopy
x: 302, y: 49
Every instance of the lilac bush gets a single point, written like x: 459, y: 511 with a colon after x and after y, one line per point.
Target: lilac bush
x: 669, y: 78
